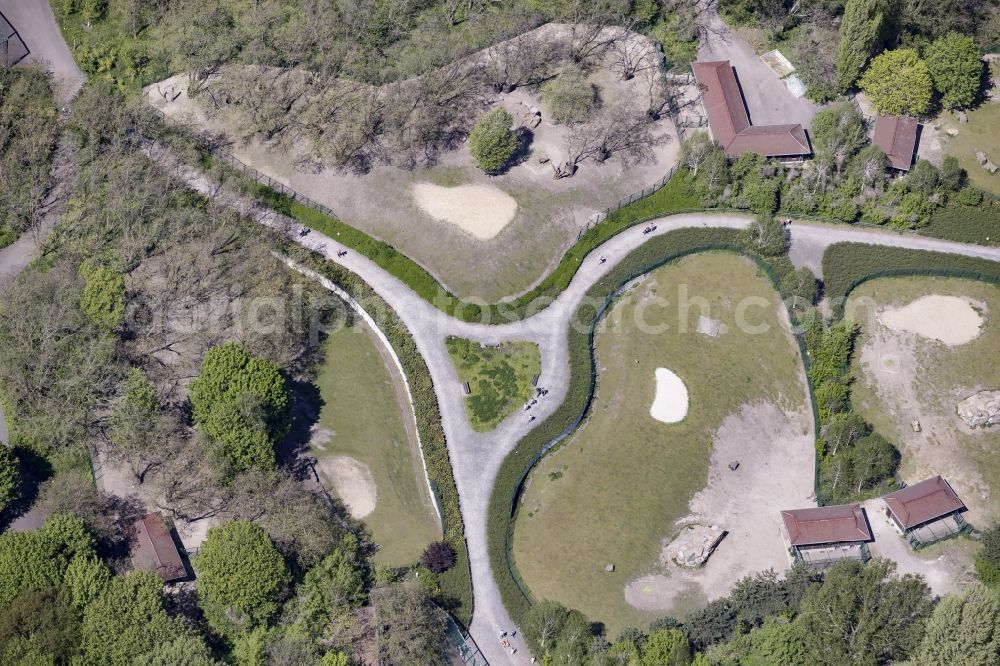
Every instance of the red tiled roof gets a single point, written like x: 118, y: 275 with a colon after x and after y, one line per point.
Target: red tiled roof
x: 826, y: 524
x: 897, y: 137
x: 923, y: 502
x: 729, y: 122
x: 154, y: 549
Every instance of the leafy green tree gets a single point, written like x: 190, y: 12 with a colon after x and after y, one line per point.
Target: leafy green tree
x: 838, y: 135
x: 860, y: 27
x: 39, y: 626
x: 10, y: 477
x: 35, y: 560
x: 126, y: 620
x: 492, y: 142
x: 241, y: 577
x: 86, y: 578
x: 924, y: 178
x: 898, y: 82
x: 873, y: 459
x: 956, y: 69
x: 103, y: 297
x: 667, y: 647
x: 766, y: 236
x: 332, y: 587
x: 186, y: 650
x: 712, y: 624
x: 988, y: 558
x: 777, y: 643
x: 953, y: 176
x: 569, y: 97
x: 132, y: 428
x: 239, y: 400
x: 864, y: 614
x: 964, y: 630
x: 411, y: 629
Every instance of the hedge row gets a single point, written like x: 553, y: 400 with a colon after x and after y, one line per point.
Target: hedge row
x: 846, y: 265
x: 555, y: 429
x: 456, y: 583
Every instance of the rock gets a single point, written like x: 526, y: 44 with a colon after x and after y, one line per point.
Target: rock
x: 980, y: 410
x: 989, y: 166
x: 915, y: 425
x: 735, y: 465
x: 951, y: 131
x: 610, y: 568
x: 981, y: 157
x: 693, y: 545
x: 963, y: 117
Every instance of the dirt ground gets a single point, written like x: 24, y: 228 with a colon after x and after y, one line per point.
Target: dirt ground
x: 481, y: 210
x: 775, y: 453
x: 903, y: 377
x: 352, y: 481
x: 550, y: 213
x: 948, y: 319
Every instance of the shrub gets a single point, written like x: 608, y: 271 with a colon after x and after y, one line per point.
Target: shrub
x: 568, y: 98
x: 491, y: 142
x: 969, y: 196
x: 103, y: 297
x: 438, y: 557
x: 10, y: 477
x: 898, y: 82
x: 953, y: 176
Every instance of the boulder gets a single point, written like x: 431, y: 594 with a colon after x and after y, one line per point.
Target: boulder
x: 981, y: 157
x: 951, y: 131
x: 693, y: 545
x: 963, y: 117
x: 980, y: 410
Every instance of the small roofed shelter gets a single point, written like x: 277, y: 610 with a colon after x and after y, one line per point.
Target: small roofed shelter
x: 897, y: 137
x: 153, y: 548
x: 926, y: 512
x: 821, y: 536
x: 729, y: 122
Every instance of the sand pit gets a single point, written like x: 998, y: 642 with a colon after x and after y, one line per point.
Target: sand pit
x: 671, y: 402
x: 352, y: 481
x: 948, y: 319
x: 481, y: 210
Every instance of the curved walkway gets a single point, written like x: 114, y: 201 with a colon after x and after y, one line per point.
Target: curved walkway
x: 476, y: 457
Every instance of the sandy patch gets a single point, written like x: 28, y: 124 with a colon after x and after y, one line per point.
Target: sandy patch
x: 671, y: 402
x: 352, y: 481
x: 482, y: 210
x: 775, y: 452
x: 948, y: 319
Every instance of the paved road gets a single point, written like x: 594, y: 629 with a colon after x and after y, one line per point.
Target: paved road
x: 768, y: 100
x: 476, y: 457
x: 34, y: 21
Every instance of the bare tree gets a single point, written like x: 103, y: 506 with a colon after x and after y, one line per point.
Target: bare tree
x: 522, y: 60
x: 622, y: 130
x: 632, y: 53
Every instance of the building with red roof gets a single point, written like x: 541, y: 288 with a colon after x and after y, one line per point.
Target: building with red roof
x: 926, y: 512
x: 153, y: 548
x: 823, y: 535
x: 897, y: 137
x: 729, y: 122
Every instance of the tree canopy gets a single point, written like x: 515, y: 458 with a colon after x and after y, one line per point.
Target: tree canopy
x: 955, y: 67
x: 898, y: 82
x: 859, y: 35
x: 569, y: 97
x: 241, y: 577
x: 491, y: 141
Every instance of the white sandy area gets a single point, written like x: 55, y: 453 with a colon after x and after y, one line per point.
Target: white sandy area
x: 671, y: 402
x: 352, y: 481
x: 948, y: 319
x: 481, y: 210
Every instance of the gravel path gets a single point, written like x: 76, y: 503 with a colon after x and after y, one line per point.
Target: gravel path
x: 34, y: 21
x: 476, y: 457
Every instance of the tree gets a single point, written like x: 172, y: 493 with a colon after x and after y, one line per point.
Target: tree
x: 39, y: 623
x: 568, y: 98
x: 126, y: 620
x: 839, y: 133
x: 332, y: 587
x: 411, y: 629
x: 135, y: 430
x: 103, y: 297
x: 859, y: 36
x: 241, y: 577
x: 953, y: 176
x: 241, y: 401
x: 667, y: 647
x: 988, y: 558
x: 898, y: 82
x: 36, y: 560
x: 10, y: 477
x: 620, y: 130
x: 873, y: 459
x: 86, y: 578
x: 491, y: 141
x: 766, y: 235
x: 439, y: 556
x: 187, y: 650
x: 869, y: 167
x: 864, y: 614
x: 799, y: 287
x: 964, y: 630
x: 955, y: 68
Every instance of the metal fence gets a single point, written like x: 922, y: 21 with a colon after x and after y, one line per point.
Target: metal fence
x: 597, y: 218
x: 12, y: 48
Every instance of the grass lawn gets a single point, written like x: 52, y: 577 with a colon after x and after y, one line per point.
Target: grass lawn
x: 499, y: 378
x: 906, y: 377
x: 369, y: 420
x: 617, y: 487
x: 982, y: 132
